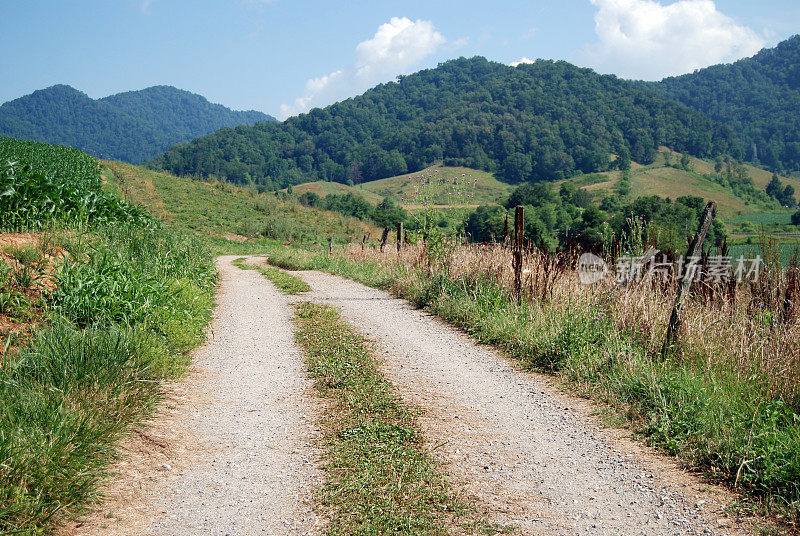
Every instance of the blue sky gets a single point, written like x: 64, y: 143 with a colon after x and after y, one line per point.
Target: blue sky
x: 285, y: 56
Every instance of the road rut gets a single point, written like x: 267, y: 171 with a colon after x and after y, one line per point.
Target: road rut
x: 238, y: 456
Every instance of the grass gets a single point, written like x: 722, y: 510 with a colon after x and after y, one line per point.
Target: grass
x: 325, y: 188
x: 653, y: 179
x: 380, y: 480
x: 228, y: 218
x: 128, y: 305
x: 286, y: 283
x: 487, y: 191
x: 731, y: 416
x: 96, y: 310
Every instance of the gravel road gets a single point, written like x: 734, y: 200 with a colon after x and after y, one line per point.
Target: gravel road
x: 535, y: 458
x: 235, y: 456
x: 233, y: 452
x: 259, y: 423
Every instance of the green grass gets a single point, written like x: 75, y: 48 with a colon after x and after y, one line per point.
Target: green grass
x: 324, y: 188
x: 224, y: 216
x: 129, y: 305
x: 716, y: 420
x: 380, y: 480
x: 487, y: 191
x: 765, y: 218
x: 286, y: 283
x: 66, y: 399
x: 111, y: 316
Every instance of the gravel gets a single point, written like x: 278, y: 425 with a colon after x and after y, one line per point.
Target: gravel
x: 257, y: 426
x: 533, y: 457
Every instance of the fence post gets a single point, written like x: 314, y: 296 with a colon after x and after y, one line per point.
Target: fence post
x: 330, y: 245
x: 519, y: 234
x: 399, y: 236
x: 695, y: 247
x: 384, y: 238
x: 505, y: 230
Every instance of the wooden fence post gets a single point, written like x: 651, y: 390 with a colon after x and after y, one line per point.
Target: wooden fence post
x: 399, y: 236
x: 363, y: 241
x: 519, y: 235
x: 384, y: 238
x: 695, y: 248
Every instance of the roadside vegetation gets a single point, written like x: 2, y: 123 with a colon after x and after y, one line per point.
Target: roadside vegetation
x: 99, y: 303
x: 726, y: 404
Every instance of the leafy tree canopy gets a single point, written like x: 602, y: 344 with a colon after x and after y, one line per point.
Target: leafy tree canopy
x: 540, y: 121
x: 133, y: 126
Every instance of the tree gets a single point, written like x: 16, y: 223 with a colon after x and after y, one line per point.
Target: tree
x: 623, y: 161
x: 566, y: 191
x: 387, y: 214
x: 787, y: 197
x: 796, y: 218
x: 354, y: 173
x: 775, y: 187
x: 531, y: 195
x: 517, y: 167
x: 309, y: 199
x: 581, y: 198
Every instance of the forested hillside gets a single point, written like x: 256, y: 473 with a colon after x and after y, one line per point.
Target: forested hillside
x: 758, y: 97
x: 547, y: 120
x: 134, y: 126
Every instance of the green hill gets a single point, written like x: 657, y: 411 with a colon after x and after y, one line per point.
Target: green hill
x: 758, y: 97
x: 665, y: 179
x: 547, y: 120
x: 133, y: 126
x: 224, y: 214
x: 486, y: 191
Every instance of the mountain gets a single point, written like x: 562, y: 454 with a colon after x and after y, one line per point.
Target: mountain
x: 133, y: 126
x: 546, y: 120
x: 758, y: 97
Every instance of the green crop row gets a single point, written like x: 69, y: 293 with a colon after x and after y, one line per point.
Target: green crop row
x: 44, y: 185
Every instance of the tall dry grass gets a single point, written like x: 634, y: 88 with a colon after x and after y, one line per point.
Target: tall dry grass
x: 747, y: 328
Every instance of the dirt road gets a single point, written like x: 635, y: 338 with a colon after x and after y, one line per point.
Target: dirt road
x: 237, y: 445
x: 235, y: 455
x: 535, y: 457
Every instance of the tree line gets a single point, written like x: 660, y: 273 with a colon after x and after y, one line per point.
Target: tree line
x: 543, y: 121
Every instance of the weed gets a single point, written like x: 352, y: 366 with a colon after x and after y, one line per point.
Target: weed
x: 380, y: 478
x: 727, y: 407
x: 286, y: 283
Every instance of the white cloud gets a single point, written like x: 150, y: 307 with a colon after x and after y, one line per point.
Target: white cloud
x: 649, y: 40
x: 522, y: 60
x: 145, y: 5
x: 397, y: 47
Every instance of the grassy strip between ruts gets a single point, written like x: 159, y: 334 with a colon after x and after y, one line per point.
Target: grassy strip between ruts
x: 286, y: 283
x: 380, y: 479
x: 715, y: 421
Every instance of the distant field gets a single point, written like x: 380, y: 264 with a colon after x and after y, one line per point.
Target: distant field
x: 765, y: 218
x: 654, y: 179
x: 486, y: 191
x: 324, y: 188
x: 786, y: 251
